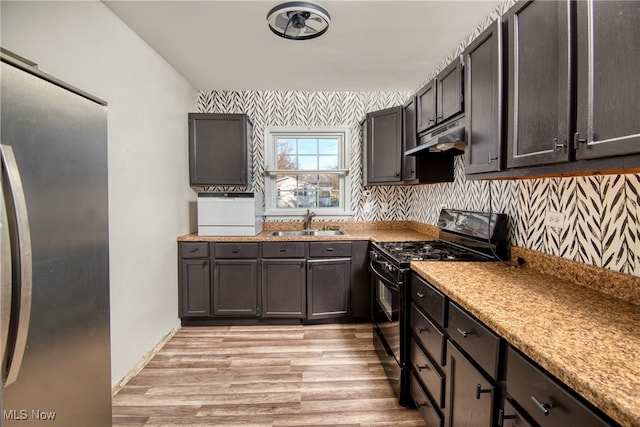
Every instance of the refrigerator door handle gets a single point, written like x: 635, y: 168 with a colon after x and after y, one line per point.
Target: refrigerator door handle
x: 5, y: 278
x: 23, y: 271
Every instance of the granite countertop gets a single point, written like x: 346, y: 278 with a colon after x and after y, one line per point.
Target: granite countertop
x: 587, y: 339
x: 380, y: 231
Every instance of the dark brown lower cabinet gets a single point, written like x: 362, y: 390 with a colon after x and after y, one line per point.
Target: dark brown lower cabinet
x: 235, y: 287
x: 283, y: 288
x: 470, y: 397
x: 328, y: 286
x: 195, y: 284
x: 224, y: 283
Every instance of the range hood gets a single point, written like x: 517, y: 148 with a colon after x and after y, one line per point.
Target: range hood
x: 449, y: 136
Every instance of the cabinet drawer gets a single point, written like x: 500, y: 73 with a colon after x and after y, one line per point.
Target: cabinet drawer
x: 479, y: 342
x: 194, y: 250
x: 428, y: 335
x: 235, y: 250
x: 511, y: 417
x: 430, y: 415
x: 329, y: 249
x: 428, y: 373
x: 429, y: 299
x: 283, y: 250
x: 536, y: 392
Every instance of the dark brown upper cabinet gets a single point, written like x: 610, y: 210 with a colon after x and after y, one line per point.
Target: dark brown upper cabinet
x: 384, y: 146
x: 409, y: 141
x: 441, y: 98
x: 219, y: 149
x: 483, y: 101
x: 608, y: 83
x: 426, y: 106
x: 540, y: 87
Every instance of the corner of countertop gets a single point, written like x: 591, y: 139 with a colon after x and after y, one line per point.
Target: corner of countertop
x: 618, y: 285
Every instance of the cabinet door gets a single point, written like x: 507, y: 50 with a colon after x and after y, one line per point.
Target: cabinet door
x: 328, y: 287
x: 195, y: 288
x: 470, y: 395
x: 409, y: 141
x: 218, y: 149
x: 384, y: 146
x: 449, y: 91
x: 608, y: 70
x: 283, y: 288
x: 539, y: 91
x: 360, y: 299
x: 235, y: 287
x: 483, y: 101
x: 426, y: 106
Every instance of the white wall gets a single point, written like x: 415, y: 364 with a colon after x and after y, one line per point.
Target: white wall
x: 86, y: 45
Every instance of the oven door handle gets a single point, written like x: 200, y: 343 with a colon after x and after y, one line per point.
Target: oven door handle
x: 388, y: 283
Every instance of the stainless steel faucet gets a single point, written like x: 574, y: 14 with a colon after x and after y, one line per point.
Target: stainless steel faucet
x: 307, y: 219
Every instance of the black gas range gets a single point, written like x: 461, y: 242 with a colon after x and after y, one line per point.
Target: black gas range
x: 463, y: 236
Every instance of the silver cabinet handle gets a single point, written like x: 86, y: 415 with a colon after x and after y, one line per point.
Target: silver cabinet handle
x: 464, y: 333
x: 544, y: 407
x: 17, y: 201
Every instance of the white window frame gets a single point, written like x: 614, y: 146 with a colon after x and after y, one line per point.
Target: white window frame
x: 270, y: 134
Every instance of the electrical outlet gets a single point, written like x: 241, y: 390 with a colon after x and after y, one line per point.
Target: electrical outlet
x: 554, y: 219
x: 367, y: 207
x: 384, y: 206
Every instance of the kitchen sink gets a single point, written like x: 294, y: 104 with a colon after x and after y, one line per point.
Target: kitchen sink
x: 293, y: 233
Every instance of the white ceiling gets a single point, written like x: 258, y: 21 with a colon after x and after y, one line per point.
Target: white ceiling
x: 370, y: 45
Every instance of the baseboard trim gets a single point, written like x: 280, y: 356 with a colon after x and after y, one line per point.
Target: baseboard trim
x: 142, y: 362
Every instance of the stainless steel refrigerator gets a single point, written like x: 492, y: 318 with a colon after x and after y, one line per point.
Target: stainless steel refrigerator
x: 54, y: 248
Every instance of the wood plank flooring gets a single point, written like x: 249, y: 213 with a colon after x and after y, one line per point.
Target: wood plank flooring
x: 263, y: 376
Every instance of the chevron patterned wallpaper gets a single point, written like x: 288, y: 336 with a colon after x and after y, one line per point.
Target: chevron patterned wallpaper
x: 602, y: 213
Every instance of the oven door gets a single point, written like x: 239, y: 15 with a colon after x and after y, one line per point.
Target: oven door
x: 387, y: 305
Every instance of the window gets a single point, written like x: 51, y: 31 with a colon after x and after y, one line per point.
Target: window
x: 305, y: 169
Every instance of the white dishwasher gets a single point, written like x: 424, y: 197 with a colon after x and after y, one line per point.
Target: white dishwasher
x: 229, y: 214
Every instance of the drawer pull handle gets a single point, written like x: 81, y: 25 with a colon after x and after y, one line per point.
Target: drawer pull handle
x: 194, y: 250
x: 235, y: 251
x: 420, y: 294
x: 480, y: 390
x: 544, y: 407
x: 329, y: 249
x: 421, y: 330
x: 421, y: 367
x: 283, y: 250
x: 464, y: 333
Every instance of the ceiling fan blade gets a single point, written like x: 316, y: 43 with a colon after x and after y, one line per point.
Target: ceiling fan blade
x: 314, y: 25
x: 281, y: 22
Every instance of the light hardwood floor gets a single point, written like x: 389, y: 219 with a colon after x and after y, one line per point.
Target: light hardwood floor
x: 321, y: 375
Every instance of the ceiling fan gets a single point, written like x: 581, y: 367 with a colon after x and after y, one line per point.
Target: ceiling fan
x: 298, y: 20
